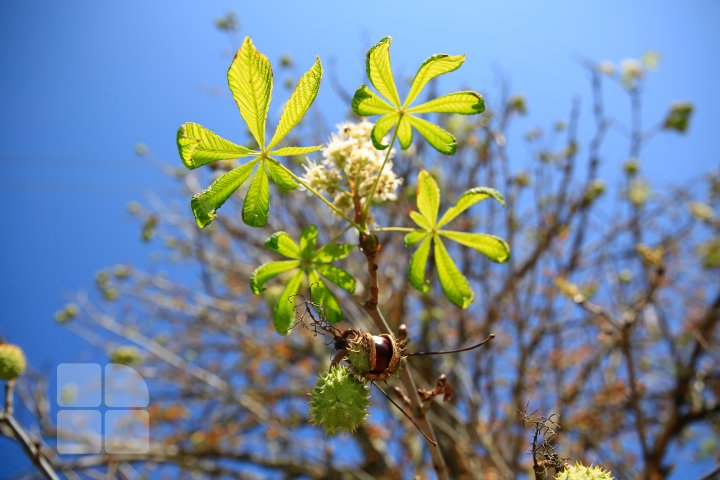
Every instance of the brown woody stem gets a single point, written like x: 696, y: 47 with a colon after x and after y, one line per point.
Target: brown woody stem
x: 434, y: 444
x: 370, y: 246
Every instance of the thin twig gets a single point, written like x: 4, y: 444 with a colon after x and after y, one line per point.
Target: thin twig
x: 443, y: 352
x: 406, y: 414
x: 33, y: 449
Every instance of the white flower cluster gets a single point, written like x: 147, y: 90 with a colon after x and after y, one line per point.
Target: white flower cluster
x: 631, y: 70
x: 349, y: 167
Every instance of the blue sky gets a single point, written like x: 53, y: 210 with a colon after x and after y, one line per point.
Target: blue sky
x: 84, y: 81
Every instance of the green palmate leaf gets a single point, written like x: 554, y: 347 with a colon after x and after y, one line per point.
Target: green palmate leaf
x: 365, y: 102
x: 418, y: 264
x: 289, y: 151
x: 404, y: 132
x: 414, y: 237
x: 428, y: 197
x: 280, y: 175
x: 250, y: 79
x: 282, y: 243
x: 468, y: 199
x: 322, y: 295
x: 440, y: 139
x: 205, y: 203
x: 336, y: 275
x: 257, y: 200
x: 431, y: 68
x: 198, y: 146
x: 336, y: 251
x: 381, y: 128
x: 453, y: 282
x: 284, y: 314
x: 379, y: 71
x: 268, y: 271
x: 495, y: 248
x: 455, y: 286
x: 299, y: 103
x: 420, y: 220
x: 308, y: 239
x: 466, y: 103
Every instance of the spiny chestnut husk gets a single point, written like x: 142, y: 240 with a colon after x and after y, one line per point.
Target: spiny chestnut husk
x: 12, y: 361
x: 339, y: 402
x: 373, y: 357
x: 581, y: 472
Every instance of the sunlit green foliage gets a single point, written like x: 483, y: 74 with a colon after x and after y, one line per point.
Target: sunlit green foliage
x: 250, y: 78
x: 430, y: 233
x: 307, y: 261
x: 402, y: 116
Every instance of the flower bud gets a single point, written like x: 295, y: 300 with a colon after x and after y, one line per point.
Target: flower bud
x: 678, y: 118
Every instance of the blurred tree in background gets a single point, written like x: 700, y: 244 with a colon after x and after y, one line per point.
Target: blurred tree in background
x: 605, y: 317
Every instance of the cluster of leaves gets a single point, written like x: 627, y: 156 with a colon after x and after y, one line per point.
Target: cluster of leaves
x: 250, y: 79
x: 678, y: 117
x: 309, y: 262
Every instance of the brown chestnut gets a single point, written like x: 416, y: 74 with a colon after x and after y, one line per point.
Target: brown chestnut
x: 383, y: 353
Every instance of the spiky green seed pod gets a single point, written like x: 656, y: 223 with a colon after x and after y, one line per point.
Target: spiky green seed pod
x: 373, y: 357
x: 12, y: 361
x: 359, y: 355
x: 339, y: 402
x: 581, y: 472
x: 126, y: 355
